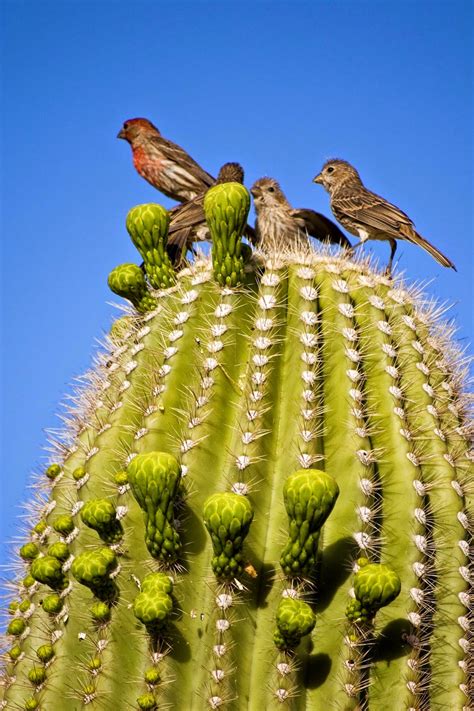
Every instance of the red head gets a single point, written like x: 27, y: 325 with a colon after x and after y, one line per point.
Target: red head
x: 137, y: 128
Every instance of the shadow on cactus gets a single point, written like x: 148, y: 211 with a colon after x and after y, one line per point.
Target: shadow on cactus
x: 263, y: 500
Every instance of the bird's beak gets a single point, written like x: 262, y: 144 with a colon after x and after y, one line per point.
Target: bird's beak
x: 121, y: 133
x: 318, y: 179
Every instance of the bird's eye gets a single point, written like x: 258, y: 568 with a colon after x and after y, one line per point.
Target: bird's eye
x: 330, y: 169
x: 126, y: 125
x: 271, y: 190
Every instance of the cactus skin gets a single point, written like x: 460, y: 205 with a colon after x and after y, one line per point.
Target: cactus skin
x: 226, y: 208
x: 147, y: 225
x: 320, y: 365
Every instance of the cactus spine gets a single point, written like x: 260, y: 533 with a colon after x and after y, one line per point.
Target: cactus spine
x: 311, y: 419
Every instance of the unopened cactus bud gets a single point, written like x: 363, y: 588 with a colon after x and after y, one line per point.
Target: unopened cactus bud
x: 24, y: 606
x: 15, y: 652
x: 100, y: 612
x: 31, y: 704
x: 154, y: 604
x: 121, y: 478
x: 100, y: 514
x: 64, y: 524
x: 93, y: 569
x: 227, y: 517
x: 59, y: 550
x: 37, y: 675
x: 375, y: 586
x: 48, y: 570
x: 79, y: 473
x: 29, y: 551
x: 53, y: 604
x: 45, y: 653
x: 147, y: 702
x: 53, y: 471
x: 310, y: 495
x: 94, y: 664
x: 128, y: 280
x: 226, y: 207
x: 28, y: 581
x: 147, y: 225
x: 154, y: 478
x: 294, y: 620
x: 152, y: 676
x: 40, y: 527
x: 16, y: 626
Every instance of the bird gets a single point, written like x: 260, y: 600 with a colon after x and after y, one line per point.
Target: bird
x: 188, y: 223
x: 164, y: 164
x: 367, y: 215
x: 278, y: 225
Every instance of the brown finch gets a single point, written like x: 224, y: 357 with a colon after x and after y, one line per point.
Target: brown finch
x: 278, y: 225
x: 164, y: 164
x: 368, y: 215
x: 188, y: 223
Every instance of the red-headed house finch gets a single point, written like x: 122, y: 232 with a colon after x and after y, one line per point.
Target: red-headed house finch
x: 164, y: 164
x: 279, y: 226
x: 368, y: 215
x: 188, y: 223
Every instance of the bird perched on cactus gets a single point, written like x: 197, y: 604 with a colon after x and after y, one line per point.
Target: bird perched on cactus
x: 367, y: 215
x: 279, y: 225
x: 164, y: 164
x: 188, y: 223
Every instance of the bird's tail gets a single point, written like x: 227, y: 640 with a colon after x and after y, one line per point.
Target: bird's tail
x: 412, y: 236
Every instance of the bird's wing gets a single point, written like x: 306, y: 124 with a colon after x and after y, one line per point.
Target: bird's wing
x: 320, y: 227
x: 372, y: 211
x: 184, y: 163
x: 251, y: 235
x: 189, y: 214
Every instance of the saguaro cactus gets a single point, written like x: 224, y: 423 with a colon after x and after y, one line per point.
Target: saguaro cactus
x: 264, y: 500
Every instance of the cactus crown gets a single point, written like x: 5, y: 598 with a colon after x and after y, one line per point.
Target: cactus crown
x: 265, y: 501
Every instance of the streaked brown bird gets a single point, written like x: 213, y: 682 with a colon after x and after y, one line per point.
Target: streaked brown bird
x: 278, y: 225
x: 188, y: 223
x: 367, y: 215
x: 164, y: 164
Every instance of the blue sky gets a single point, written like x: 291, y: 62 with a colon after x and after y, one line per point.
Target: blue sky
x: 278, y: 86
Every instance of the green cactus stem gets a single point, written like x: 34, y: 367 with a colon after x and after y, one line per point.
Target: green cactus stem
x: 128, y: 280
x: 147, y: 225
x: 309, y: 496
x: 226, y: 208
x: 227, y: 517
x: 155, y: 478
x: 101, y: 515
x: 294, y: 619
x: 317, y: 378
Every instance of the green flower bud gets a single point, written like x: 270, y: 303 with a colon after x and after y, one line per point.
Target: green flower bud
x: 294, y: 620
x: 40, y: 527
x: 37, y: 675
x: 29, y: 551
x: 13, y: 607
x: 147, y: 702
x: 227, y: 517
x: 310, y: 495
x: 157, y: 582
x: 45, y: 653
x: 375, y: 586
x: 59, y: 550
x: 31, y: 704
x: 48, y: 570
x: 152, y: 676
x: 128, y: 280
x: 15, y: 652
x: 100, y: 612
x: 153, y: 609
x: 28, y: 582
x: 154, y: 479
x: 53, y: 471
x: 100, y: 514
x: 147, y: 225
x: 53, y: 604
x: 64, y: 524
x: 24, y: 606
x: 94, y: 663
x: 16, y: 626
x: 79, y: 473
x: 226, y: 207
x: 93, y: 569
x: 121, y: 478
